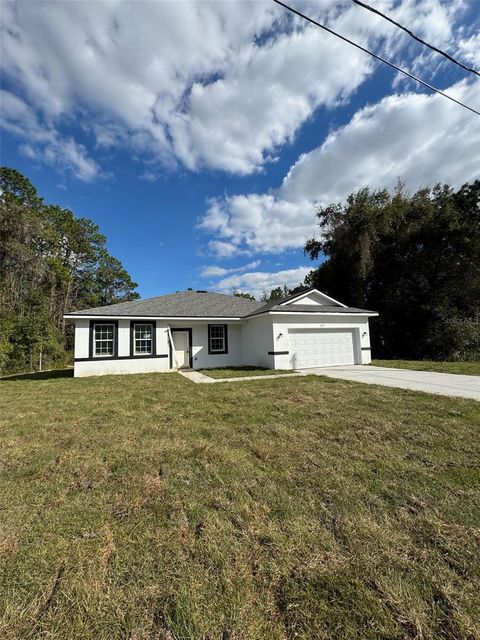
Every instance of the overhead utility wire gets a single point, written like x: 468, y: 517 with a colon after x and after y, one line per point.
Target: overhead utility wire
x: 374, y: 55
x: 410, y: 33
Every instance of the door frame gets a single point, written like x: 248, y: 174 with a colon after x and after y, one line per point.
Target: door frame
x: 190, y: 347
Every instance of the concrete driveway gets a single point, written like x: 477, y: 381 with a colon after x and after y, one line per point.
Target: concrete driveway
x: 445, y: 384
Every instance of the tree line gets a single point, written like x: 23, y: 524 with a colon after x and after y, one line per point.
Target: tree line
x: 414, y: 258
x: 51, y: 262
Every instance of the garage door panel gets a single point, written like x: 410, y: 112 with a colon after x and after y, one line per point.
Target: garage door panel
x: 316, y: 348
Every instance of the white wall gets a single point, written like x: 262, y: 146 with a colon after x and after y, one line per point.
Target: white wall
x: 162, y: 339
x: 106, y: 366
x: 203, y: 360
x: 82, y: 333
x: 130, y: 365
x: 258, y: 341
x: 248, y: 344
x: 359, y: 324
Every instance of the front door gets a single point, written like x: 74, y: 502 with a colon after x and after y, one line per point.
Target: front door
x: 182, y: 351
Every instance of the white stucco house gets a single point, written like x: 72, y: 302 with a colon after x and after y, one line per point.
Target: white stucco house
x: 199, y: 330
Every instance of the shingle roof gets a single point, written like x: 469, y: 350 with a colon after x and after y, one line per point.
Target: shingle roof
x: 309, y: 308
x: 203, y: 304
x: 177, y: 305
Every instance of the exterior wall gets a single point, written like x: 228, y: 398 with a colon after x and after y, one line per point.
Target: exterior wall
x: 123, y: 363
x: 82, y: 336
x: 203, y: 360
x: 258, y: 341
x: 359, y: 324
x: 163, y: 344
x: 249, y: 343
x: 119, y: 366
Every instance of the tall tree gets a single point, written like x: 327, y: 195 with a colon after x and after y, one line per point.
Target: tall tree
x: 50, y: 262
x: 278, y: 293
x: 415, y: 259
x: 113, y: 283
x: 243, y: 294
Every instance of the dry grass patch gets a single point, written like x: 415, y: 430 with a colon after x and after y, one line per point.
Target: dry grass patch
x: 145, y: 507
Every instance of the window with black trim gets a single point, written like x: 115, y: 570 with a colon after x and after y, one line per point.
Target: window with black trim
x: 217, y: 338
x: 103, y: 340
x: 142, y: 339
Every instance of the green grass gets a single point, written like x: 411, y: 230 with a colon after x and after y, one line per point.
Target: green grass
x: 465, y: 368
x: 240, y: 372
x: 147, y: 507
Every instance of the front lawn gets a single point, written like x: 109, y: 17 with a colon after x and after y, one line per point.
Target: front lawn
x: 240, y: 372
x: 146, y: 507
x: 466, y: 368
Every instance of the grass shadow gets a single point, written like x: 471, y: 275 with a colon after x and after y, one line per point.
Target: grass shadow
x: 40, y: 375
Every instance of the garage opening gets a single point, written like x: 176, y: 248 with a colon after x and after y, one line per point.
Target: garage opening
x: 310, y: 348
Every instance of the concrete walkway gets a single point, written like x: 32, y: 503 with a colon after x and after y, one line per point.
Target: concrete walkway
x: 200, y: 378
x: 445, y: 384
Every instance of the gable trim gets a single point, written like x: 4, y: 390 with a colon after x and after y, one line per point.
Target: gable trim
x: 307, y: 293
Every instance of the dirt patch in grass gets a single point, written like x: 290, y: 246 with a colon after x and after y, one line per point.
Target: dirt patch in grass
x: 146, y: 507
x: 465, y: 368
x: 240, y: 372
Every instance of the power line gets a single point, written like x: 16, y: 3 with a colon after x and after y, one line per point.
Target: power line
x: 411, y: 34
x: 377, y: 57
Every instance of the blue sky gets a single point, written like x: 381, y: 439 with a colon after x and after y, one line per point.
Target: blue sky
x: 200, y: 137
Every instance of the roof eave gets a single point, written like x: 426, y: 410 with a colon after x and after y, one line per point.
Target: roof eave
x: 315, y: 313
x: 93, y: 316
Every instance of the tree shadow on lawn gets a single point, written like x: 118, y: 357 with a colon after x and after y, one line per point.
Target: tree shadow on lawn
x: 40, y: 375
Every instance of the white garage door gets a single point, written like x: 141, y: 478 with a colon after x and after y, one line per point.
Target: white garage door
x: 320, y: 348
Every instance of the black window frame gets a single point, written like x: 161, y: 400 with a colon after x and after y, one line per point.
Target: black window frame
x: 91, y: 349
x: 153, y: 323
x: 225, y: 340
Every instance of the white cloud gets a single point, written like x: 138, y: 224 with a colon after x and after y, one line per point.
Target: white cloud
x: 422, y: 139
x: 222, y: 249
x: 210, y: 271
x: 43, y: 143
x: 258, y: 282
x: 470, y: 50
x: 216, y: 84
x: 259, y: 222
